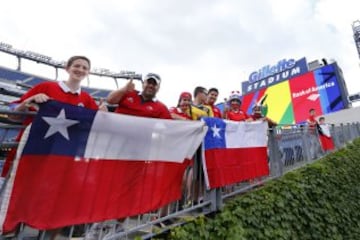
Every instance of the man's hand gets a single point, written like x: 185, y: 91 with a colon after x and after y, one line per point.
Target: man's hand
x: 115, y: 96
x: 130, y: 86
x: 38, y: 98
x: 102, y: 105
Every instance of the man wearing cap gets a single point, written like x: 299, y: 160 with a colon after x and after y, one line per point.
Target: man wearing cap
x: 234, y: 112
x: 142, y: 104
x: 211, y: 99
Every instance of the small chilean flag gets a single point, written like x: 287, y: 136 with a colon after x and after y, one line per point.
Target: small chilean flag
x: 77, y: 165
x: 234, y: 151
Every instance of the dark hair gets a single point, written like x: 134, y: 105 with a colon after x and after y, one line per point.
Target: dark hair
x: 198, y: 90
x: 235, y: 100
x: 321, y: 119
x: 311, y: 109
x: 255, y: 107
x: 74, y: 58
x: 213, y: 90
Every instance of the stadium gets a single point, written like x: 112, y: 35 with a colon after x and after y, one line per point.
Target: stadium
x: 286, y: 91
x: 288, y: 100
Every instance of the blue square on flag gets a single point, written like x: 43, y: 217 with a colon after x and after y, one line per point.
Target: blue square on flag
x: 215, y: 136
x: 60, y: 129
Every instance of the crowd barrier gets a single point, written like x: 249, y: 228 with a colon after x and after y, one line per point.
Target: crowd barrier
x: 289, y: 147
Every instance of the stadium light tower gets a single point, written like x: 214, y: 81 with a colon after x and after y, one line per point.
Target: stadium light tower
x: 356, y: 31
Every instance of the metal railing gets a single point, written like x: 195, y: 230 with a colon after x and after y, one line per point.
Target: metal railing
x: 289, y: 147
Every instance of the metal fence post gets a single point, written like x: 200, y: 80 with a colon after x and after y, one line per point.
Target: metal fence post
x: 276, y: 165
x: 342, y: 136
x: 216, y: 202
x: 348, y: 133
x: 357, y: 126
x: 307, y: 144
x: 336, y: 136
x: 352, y: 130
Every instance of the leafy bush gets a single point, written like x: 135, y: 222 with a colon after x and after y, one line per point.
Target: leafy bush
x: 318, y: 201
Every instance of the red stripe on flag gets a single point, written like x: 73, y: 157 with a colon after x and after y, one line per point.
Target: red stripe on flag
x: 326, y: 143
x: 55, y: 191
x: 228, y: 166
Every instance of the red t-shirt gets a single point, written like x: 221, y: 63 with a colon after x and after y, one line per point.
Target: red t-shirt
x: 55, y: 92
x: 312, y: 121
x: 216, y: 111
x: 133, y: 104
x: 178, y: 111
x: 237, y: 116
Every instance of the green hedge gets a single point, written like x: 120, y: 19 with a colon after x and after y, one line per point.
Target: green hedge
x: 319, y: 201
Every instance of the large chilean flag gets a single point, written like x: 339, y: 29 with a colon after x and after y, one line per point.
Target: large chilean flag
x: 77, y: 166
x: 234, y: 151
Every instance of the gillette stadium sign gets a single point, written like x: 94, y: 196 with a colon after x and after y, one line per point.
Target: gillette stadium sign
x: 270, y: 75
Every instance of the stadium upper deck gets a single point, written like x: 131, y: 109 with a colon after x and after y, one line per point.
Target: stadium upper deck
x: 17, y: 82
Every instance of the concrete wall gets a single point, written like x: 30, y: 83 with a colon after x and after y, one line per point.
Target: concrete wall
x: 349, y: 115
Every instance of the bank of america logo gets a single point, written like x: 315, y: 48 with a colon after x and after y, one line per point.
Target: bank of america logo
x: 313, y: 97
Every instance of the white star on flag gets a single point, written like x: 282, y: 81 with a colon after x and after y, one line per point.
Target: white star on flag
x: 216, y: 131
x: 59, y: 124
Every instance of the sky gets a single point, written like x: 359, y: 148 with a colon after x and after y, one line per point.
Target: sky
x: 213, y: 43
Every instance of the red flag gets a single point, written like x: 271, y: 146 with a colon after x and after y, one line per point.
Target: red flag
x: 326, y: 140
x: 79, y: 166
x: 234, y: 151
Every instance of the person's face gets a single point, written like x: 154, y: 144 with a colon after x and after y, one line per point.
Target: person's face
x: 203, y: 96
x: 257, y: 110
x: 212, y: 97
x: 185, y: 102
x: 235, y: 105
x: 150, y: 88
x: 78, y: 70
x: 312, y: 113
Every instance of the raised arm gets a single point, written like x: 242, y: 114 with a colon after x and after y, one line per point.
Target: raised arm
x: 115, y: 96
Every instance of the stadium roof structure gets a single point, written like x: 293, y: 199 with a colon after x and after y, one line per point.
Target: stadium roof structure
x: 46, y: 60
x: 15, y: 83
